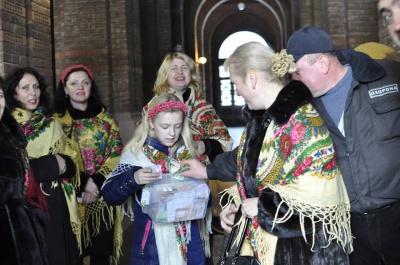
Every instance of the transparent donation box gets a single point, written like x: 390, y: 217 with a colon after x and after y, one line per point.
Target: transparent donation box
x: 173, y: 199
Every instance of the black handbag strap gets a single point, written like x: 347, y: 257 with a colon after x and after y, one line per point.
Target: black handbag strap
x: 230, y: 240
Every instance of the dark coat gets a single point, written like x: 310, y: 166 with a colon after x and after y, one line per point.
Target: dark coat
x: 291, y: 247
x: 368, y: 155
x: 21, y: 231
x: 61, y: 241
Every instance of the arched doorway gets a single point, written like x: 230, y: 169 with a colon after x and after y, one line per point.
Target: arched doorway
x: 226, y: 102
x: 215, y: 21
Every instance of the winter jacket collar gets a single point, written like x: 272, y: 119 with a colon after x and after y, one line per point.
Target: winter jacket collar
x: 364, y: 68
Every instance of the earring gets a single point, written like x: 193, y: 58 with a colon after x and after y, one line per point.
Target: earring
x: 66, y: 95
x: 252, y: 85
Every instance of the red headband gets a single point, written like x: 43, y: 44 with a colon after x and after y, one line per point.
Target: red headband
x: 166, y: 106
x: 73, y: 67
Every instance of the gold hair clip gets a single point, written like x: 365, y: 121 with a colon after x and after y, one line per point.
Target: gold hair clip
x: 281, y: 63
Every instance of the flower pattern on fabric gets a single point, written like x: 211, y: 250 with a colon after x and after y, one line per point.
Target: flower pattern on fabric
x: 104, y: 142
x: 100, y: 146
x: 34, y: 125
x: 205, y: 122
x: 289, y: 152
x: 37, y: 123
x: 294, y: 141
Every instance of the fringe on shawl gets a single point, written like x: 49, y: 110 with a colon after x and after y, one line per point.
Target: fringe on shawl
x: 205, y: 231
x: 335, y: 219
x: 96, y: 212
x: 233, y: 197
x: 266, y: 243
x: 65, y: 144
x: 335, y: 222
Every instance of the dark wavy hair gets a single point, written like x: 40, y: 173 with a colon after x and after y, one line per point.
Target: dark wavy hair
x: 11, y: 83
x: 61, y: 102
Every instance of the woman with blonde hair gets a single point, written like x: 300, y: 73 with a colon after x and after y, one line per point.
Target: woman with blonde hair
x: 179, y: 75
x: 288, y: 183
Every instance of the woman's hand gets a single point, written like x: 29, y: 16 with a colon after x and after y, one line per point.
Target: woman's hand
x: 146, y: 175
x: 227, y: 217
x: 91, y: 192
x: 88, y: 198
x: 196, y: 169
x: 250, y: 207
x: 62, y: 166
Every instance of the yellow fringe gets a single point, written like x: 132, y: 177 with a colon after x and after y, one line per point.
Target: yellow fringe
x: 95, y: 211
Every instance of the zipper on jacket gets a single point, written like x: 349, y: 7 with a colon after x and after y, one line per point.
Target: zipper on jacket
x: 145, y: 236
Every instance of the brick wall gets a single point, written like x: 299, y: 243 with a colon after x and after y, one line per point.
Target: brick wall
x: 94, y: 33
x: 25, y: 36
x: 349, y: 23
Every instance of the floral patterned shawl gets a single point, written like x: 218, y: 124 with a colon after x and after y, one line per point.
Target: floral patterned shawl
x: 100, y: 146
x: 297, y: 161
x: 45, y: 137
x: 172, y: 239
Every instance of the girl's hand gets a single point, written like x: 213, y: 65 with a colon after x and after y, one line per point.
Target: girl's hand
x: 146, y: 175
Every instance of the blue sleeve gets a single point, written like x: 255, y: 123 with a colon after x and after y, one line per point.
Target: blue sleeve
x: 120, y: 187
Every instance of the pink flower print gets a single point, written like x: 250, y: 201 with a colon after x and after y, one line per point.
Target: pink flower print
x: 107, y: 127
x: 278, y: 131
x: 100, y: 160
x: 297, y: 132
x: 301, y: 168
x: 28, y: 130
x: 119, y: 149
x: 79, y: 125
x: 89, y: 156
x: 307, y: 162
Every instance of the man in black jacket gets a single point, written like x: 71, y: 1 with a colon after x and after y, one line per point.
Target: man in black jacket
x: 359, y: 100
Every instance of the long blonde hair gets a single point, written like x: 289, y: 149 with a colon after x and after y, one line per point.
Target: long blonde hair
x: 143, y: 131
x: 161, y: 86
